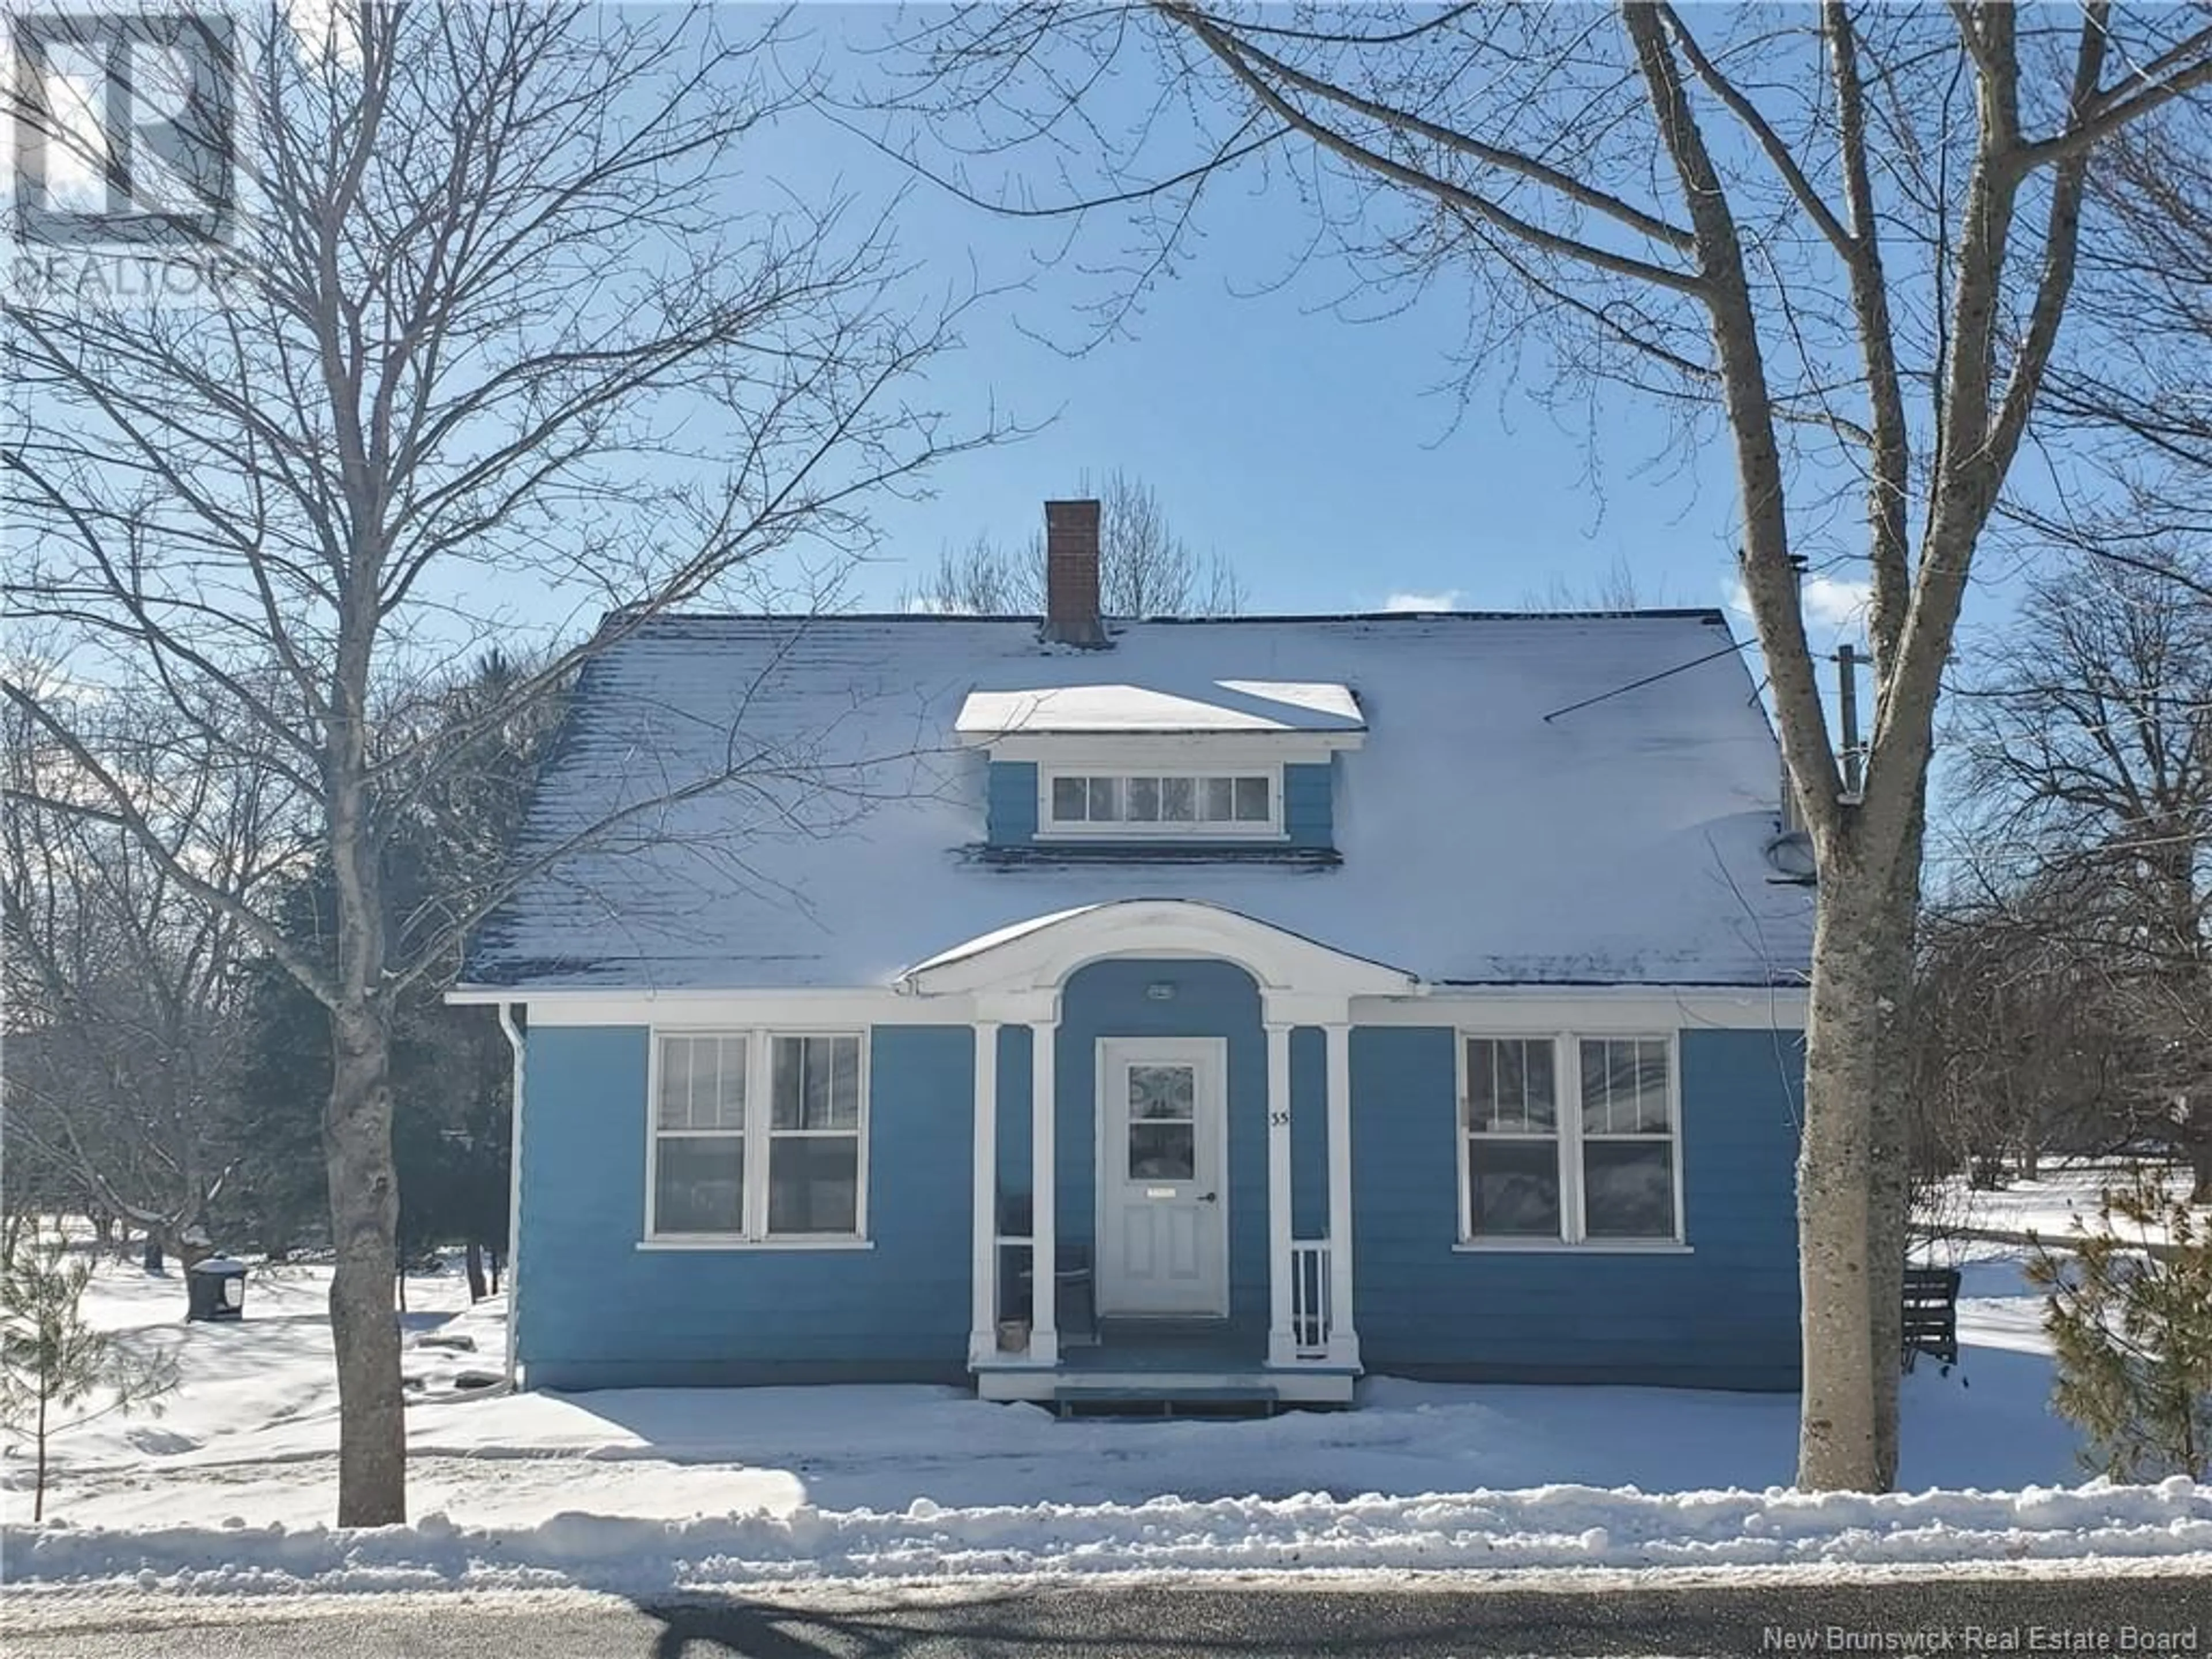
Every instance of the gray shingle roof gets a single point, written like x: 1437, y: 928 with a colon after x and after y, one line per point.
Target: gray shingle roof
x: 1624, y: 842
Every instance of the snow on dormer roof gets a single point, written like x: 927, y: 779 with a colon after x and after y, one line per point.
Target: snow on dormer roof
x: 1194, y: 706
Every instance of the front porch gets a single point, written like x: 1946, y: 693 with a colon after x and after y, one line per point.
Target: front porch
x: 1155, y: 1217
x: 1137, y: 1363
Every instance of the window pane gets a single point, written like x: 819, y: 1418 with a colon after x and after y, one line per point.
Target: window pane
x: 675, y: 1083
x: 1069, y: 796
x: 814, y: 1184
x: 844, y: 1083
x: 817, y: 1083
x: 1651, y: 1086
x: 699, y: 1184
x: 1481, y: 1084
x: 1144, y: 801
x: 1163, y: 1151
x: 1625, y: 1086
x: 1629, y: 1189
x: 1105, y: 800
x: 1163, y: 1092
x: 1513, y: 1189
x: 1510, y: 1085
x: 1251, y: 800
x: 1219, y: 799
x: 729, y: 1095
x: 1541, y: 1100
x: 1178, y: 800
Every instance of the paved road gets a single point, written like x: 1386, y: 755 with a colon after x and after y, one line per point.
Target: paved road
x: 2074, y: 1615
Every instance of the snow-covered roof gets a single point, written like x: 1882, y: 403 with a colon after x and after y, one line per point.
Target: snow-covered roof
x: 1203, y: 705
x: 1625, y: 841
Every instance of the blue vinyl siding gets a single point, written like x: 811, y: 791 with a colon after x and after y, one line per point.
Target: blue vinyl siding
x: 597, y: 1311
x: 1010, y: 806
x: 1724, y: 1315
x: 1212, y: 999
x: 1308, y: 814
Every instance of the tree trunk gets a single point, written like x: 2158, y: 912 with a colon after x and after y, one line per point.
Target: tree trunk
x: 1851, y: 1189
x: 2200, y: 1167
x: 364, y: 1223
x: 1890, y: 1195
x: 38, y: 1487
x: 152, y: 1261
x: 476, y: 1260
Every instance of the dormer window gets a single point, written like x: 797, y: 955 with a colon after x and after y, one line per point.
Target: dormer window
x: 1202, y: 804
x: 1184, y: 769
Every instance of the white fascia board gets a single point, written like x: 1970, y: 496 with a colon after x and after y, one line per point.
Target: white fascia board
x: 839, y: 1008
x: 1520, y: 1010
x: 1134, y: 751
x: 1504, y: 1009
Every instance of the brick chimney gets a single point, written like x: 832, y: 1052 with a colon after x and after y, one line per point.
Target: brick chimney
x: 1071, y: 575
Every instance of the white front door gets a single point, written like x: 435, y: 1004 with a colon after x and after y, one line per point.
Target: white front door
x: 1162, y: 1155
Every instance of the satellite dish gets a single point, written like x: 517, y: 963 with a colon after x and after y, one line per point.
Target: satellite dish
x: 1791, y: 854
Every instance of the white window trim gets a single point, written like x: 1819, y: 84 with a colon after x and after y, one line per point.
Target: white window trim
x: 759, y: 1070
x: 1567, y: 1076
x: 1272, y: 829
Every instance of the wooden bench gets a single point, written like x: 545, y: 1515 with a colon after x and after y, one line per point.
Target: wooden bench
x: 1931, y: 1314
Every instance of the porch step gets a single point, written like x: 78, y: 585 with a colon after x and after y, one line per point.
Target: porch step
x: 1165, y: 1399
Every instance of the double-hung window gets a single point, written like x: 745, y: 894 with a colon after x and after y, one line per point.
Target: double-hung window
x: 1511, y: 1158
x: 758, y: 1137
x: 1569, y: 1140
x: 1627, y: 1139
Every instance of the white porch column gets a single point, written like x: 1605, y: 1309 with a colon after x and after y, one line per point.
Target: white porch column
x: 1282, y: 1340
x: 1044, y: 1252
x: 984, y: 1320
x: 1343, y: 1336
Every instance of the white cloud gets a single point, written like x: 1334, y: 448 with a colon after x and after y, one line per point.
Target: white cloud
x: 1445, y: 600
x: 1832, y: 604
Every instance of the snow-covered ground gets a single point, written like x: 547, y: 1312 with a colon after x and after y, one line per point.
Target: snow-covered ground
x: 648, y: 1490
x: 2049, y: 1205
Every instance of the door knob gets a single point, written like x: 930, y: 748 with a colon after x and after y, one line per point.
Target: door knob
x: 1208, y: 1198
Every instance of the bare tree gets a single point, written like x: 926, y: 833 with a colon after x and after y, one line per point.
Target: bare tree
x: 1847, y: 236
x: 2131, y: 392
x: 1145, y: 569
x: 125, y: 1017
x: 502, y: 327
x: 2015, y: 1050
x: 2089, y: 736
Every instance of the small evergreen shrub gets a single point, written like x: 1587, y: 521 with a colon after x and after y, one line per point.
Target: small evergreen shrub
x: 51, y: 1361
x: 2131, y: 1329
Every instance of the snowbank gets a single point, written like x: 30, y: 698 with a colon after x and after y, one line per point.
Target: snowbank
x: 1551, y: 1527
x: 648, y: 1492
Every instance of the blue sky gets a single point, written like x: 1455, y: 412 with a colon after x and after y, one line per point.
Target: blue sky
x: 1316, y: 454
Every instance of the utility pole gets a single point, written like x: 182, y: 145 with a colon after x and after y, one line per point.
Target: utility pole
x: 1847, y: 691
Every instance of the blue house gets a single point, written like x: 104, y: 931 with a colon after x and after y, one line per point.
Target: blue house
x: 1086, y: 1008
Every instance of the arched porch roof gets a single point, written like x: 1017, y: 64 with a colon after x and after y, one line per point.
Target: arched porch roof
x: 1039, y: 954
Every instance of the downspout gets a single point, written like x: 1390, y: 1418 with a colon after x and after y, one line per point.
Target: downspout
x: 515, y: 1042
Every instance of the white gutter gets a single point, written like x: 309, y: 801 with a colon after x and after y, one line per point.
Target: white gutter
x: 515, y: 1042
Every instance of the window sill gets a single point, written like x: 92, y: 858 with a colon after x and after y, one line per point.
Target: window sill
x: 723, y: 1242
x: 1560, y: 1247
x: 1126, y: 835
